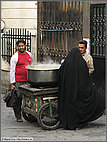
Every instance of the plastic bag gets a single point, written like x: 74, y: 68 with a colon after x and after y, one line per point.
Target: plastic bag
x: 11, y: 98
x: 7, y: 96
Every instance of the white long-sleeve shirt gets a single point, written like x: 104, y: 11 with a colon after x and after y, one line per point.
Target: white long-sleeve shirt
x: 13, y: 63
x: 89, y: 60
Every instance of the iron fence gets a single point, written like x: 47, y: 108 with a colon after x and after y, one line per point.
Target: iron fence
x: 8, y: 42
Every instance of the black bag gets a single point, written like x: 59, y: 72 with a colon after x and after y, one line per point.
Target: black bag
x: 7, y: 96
x: 11, y: 98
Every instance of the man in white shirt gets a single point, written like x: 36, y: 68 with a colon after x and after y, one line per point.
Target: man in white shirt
x: 18, y: 73
x: 87, y: 57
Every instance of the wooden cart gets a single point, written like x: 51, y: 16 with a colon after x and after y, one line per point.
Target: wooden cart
x: 40, y: 104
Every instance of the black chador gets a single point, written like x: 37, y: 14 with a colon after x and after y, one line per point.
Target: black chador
x: 78, y: 100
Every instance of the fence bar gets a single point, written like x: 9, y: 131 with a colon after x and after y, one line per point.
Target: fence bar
x: 9, y: 42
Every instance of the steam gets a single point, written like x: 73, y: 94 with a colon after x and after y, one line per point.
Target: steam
x: 47, y: 61
x: 46, y: 65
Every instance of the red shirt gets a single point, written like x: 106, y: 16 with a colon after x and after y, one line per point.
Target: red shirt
x: 21, y: 70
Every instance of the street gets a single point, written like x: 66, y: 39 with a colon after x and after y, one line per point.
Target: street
x: 26, y: 131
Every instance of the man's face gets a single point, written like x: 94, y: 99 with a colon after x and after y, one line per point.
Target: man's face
x: 82, y: 48
x: 21, y: 47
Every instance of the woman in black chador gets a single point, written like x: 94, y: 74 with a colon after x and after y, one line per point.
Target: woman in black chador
x: 78, y: 100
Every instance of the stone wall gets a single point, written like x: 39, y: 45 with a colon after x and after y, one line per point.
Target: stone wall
x: 5, y: 76
x: 19, y: 14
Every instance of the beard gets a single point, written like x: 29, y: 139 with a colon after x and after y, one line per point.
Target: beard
x: 22, y: 51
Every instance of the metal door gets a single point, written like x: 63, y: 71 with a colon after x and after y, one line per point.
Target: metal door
x: 60, y: 27
x: 98, y: 40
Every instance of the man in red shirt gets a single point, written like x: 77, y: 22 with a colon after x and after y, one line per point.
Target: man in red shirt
x: 18, y: 73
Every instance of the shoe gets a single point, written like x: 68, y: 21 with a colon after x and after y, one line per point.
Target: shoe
x: 19, y: 120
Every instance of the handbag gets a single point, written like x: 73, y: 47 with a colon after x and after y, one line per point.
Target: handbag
x: 11, y: 98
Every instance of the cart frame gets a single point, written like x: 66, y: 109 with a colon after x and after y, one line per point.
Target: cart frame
x: 35, y: 100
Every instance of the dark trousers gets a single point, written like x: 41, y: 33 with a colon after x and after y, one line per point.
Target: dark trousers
x: 17, y: 109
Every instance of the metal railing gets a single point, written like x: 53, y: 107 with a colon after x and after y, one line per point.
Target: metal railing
x: 8, y: 42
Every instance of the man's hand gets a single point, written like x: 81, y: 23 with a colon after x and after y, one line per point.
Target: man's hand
x: 12, y: 87
x: 62, y: 61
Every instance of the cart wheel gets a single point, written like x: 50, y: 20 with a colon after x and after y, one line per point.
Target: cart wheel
x: 47, y: 116
x: 28, y: 117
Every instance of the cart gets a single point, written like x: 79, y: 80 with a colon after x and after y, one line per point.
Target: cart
x: 41, y: 105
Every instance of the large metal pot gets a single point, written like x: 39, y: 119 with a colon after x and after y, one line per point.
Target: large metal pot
x: 43, y: 75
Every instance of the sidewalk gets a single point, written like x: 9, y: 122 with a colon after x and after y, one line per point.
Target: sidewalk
x: 95, y: 131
